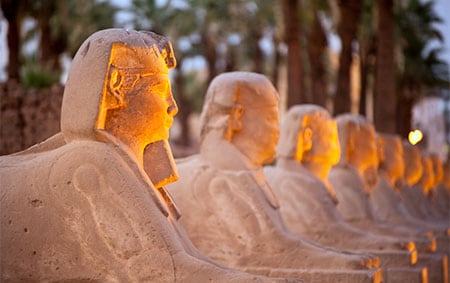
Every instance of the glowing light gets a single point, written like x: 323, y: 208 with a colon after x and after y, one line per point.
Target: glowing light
x: 415, y: 137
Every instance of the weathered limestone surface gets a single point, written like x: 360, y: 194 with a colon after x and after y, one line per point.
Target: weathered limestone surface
x: 390, y: 207
x: 385, y: 198
x: 304, y: 157
x: 355, y: 179
x: 230, y: 211
x: 356, y: 176
x: 81, y: 206
x: 440, y: 195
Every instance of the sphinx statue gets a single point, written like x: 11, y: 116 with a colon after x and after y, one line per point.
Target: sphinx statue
x: 439, y: 193
x: 440, y: 200
x: 89, y: 204
x: 385, y: 198
x: 418, y: 205
x: 355, y: 178
x: 307, y: 149
x: 418, y: 167
x: 230, y: 211
x: 389, y: 205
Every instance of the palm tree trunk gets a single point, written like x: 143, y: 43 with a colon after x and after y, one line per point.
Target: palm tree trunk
x: 366, y: 53
x: 384, y: 89
x: 11, y: 11
x: 231, y: 56
x: 292, y: 35
x: 258, y: 55
x: 45, y: 44
x: 404, y: 112
x: 317, y: 44
x: 276, y: 61
x: 363, y: 90
x: 350, y: 12
x: 209, y: 51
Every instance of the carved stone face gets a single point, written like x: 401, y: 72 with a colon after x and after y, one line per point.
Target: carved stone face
x: 362, y: 152
x: 242, y: 107
x: 413, y: 164
x: 253, y: 120
x: 140, y: 103
x: 260, y: 131
x: 149, y: 110
x: 390, y: 153
x: 323, y: 144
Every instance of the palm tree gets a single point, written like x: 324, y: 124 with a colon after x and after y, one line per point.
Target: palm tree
x: 350, y: 12
x: 292, y: 38
x: 384, y: 88
x: 150, y: 15
x: 251, y: 21
x: 63, y: 26
x: 13, y: 11
x: 317, y: 45
x: 212, y: 25
x: 367, y: 50
x: 421, y: 69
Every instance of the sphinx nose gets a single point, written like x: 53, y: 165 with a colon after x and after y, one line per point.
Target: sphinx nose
x: 173, y: 108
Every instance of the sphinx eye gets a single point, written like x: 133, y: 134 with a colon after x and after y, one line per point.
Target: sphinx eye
x: 161, y: 87
x: 116, y: 81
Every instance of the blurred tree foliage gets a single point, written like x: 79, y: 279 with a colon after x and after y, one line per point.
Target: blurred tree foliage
x: 35, y: 75
x: 60, y: 26
x: 420, y: 69
x: 389, y: 37
x: 349, y: 19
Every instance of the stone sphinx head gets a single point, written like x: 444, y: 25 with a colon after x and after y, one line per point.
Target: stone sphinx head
x: 242, y: 108
x: 309, y: 135
x: 118, y: 86
x: 390, y: 157
x: 413, y: 163
x: 358, y: 146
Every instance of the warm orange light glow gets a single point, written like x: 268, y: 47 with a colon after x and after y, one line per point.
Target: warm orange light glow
x: 445, y: 268
x: 415, y: 137
x: 432, y: 246
x: 413, y: 258
x: 424, y: 275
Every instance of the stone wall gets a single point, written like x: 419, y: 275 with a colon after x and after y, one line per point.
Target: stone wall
x: 27, y: 117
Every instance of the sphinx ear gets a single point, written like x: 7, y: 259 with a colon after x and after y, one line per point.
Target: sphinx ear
x: 307, y: 139
x: 114, y: 94
x: 234, y: 121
